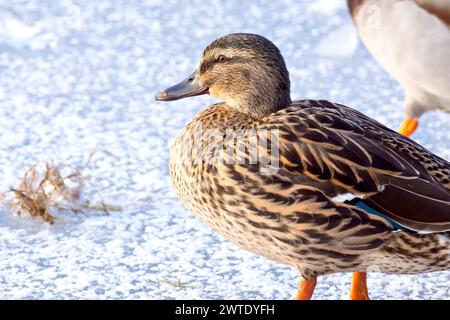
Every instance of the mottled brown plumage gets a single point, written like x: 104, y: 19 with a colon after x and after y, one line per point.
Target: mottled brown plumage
x: 269, y: 176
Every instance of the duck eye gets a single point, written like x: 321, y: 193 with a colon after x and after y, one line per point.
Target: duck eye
x: 221, y: 58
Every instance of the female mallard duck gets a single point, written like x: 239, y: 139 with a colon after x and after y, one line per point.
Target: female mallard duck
x: 411, y: 40
x: 272, y: 175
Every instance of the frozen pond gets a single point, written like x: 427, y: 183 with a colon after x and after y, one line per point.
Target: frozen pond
x: 79, y: 75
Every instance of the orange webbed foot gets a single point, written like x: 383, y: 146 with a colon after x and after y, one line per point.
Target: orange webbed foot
x: 359, y: 289
x: 409, y: 125
x: 306, y: 289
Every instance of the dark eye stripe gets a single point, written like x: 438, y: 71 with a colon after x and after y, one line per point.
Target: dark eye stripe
x: 208, y: 64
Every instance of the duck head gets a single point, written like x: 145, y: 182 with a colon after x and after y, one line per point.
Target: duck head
x: 246, y: 71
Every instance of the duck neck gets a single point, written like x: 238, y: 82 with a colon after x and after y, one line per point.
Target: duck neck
x: 261, y: 105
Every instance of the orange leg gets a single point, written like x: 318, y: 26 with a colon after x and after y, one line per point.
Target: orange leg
x: 409, y: 126
x: 306, y: 289
x: 359, y: 287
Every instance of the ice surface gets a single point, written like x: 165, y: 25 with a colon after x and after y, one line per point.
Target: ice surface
x: 341, y: 43
x: 75, y: 75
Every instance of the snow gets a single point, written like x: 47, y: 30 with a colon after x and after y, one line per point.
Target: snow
x: 326, y: 7
x: 341, y: 43
x: 79, y: 75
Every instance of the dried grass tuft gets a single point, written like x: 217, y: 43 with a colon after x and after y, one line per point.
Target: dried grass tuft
x: 44, y: 189
x: 176, y: 284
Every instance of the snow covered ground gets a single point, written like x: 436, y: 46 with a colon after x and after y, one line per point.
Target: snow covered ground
x: 75, y: 75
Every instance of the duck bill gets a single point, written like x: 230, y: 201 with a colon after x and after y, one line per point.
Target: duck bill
x: 189, y: 87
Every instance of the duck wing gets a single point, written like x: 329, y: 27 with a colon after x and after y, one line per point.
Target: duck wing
x: 391, y: 174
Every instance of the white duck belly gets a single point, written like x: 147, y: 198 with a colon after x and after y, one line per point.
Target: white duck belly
x: 414, y: 46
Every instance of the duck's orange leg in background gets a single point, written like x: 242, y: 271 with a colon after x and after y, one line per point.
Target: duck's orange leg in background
x: 409, y: 125
x: 306, y: 289
x: 359, y: 290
